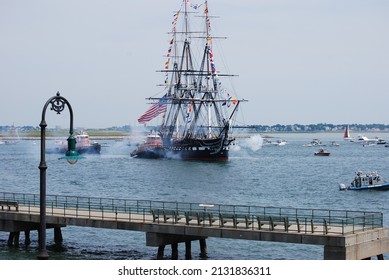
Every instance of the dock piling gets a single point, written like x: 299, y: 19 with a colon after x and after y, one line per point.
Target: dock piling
x: 188, y: 250
x: 58, y: 235
x: 174, y: 251
x: 160, y: 252
x: 203, y: 249
x: 27, y: 240
x: 13, y: 239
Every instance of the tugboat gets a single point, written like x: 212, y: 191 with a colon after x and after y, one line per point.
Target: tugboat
x: 366, y: 181
x: 196, y: 109
x: 83, y: 145
x: 151, y: 148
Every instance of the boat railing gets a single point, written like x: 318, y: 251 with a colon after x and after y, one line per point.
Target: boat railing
x: 302, y: 220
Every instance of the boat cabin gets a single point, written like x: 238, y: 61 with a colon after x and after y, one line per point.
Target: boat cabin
x: 366, y: 179
x: 153, y: 140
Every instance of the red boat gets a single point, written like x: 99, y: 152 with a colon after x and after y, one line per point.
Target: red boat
x: 151, y: 148
x: 322, y: 152
x: 83, y: 145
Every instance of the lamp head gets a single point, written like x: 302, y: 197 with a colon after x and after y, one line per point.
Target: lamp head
x: 72, y: 156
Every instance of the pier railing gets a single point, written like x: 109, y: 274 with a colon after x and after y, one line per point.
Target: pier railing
x: 302, y: 220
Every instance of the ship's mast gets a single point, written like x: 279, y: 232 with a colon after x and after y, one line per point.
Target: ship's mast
x: 194, y: 89
x: 208, y: 50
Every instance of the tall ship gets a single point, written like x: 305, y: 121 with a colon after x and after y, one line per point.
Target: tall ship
x: 196, y: 110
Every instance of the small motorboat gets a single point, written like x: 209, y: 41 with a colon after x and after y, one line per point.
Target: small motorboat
x: 322, y: 152
x: 334, y: 144
x: 314, y: 142
x: 364, y: 181
x: 279, y: 142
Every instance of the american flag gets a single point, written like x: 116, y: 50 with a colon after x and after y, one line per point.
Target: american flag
x: 154, y: 111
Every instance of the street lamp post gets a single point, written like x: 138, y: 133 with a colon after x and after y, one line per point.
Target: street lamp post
x: 58, y: 104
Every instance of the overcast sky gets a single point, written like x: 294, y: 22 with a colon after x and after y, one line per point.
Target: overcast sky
x: 298, y: 61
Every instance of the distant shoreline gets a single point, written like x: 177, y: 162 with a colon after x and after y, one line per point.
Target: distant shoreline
x: 120, y: 132
x: 106, y: 135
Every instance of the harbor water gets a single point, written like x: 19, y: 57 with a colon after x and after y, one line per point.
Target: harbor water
x: 255, y: 174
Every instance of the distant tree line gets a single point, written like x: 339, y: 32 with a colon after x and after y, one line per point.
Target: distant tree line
x: 320, y: 127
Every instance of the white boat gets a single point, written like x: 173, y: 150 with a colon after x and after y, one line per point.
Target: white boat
x: 11, y: 142
x: 364, y: 181
x: 279, y: 142
x: 12, y: 137
x: 314, y: 143
x: 381, y: 141
x: 365, y: 140
x: 334, y: 144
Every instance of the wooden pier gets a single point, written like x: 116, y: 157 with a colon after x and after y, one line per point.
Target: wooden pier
x: 345, y: 235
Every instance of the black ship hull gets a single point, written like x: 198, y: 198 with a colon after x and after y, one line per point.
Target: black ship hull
x: 214, y: 149
x: 149, y: 153
x: 179, y: 154
x: 205, y: 155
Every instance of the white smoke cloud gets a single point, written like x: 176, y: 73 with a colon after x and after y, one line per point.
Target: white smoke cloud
x: 254, y: 143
